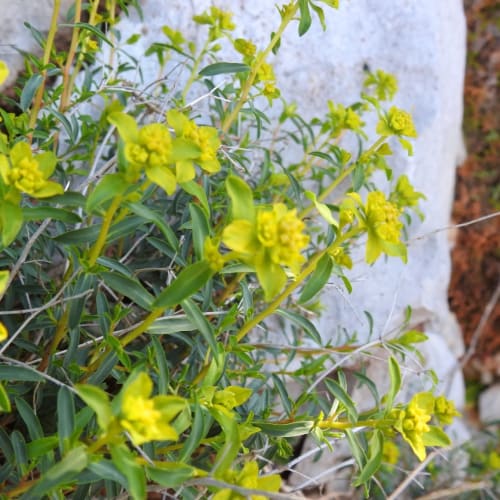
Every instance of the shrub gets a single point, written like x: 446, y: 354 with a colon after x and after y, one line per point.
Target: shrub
x: 142, y: 248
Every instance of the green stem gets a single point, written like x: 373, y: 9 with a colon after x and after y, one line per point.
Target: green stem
x: 341, y: 177
x: 261, y: 57
x: 308, y: 269
x: 336, y: 425
x: 95, y: 251
x: 46, y: 58
x: 194, y: 71
x: 140, y: 329
x: 63, y: 105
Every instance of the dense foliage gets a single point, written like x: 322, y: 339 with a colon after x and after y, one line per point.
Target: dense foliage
x: 145, y: 251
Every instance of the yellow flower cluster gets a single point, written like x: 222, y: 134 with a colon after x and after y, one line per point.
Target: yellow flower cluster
x: 341, y: 118
x: 29, y: 174
x: 207, y: 140
x: 281, y: 231
x: 245, y: 47
x: 212, y: 255
x: 265, y: 74
x: 274, y: 238
x: 167, y: 160
x: 397, y: 122
x: 248, y: 477
x: 414, y: 421
x: 153, y: 148
x: 218, y: 20
x: 383, y: 217
x: 445, y: 410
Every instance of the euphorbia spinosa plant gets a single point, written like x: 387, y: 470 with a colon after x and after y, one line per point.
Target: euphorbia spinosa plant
x: 139, y: 253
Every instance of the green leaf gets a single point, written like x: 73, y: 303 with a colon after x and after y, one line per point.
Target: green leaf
x: 98, y: 400
x: 232, y: 441
x: 29, y: 91
x: 20, y: 373
x: 171, y: 474
x: 109, y: 187
x: 188, y: 282
x: 156, y: 218
x: 135, y: 474
x: 395, y: 377
x: 129, y: 287
x: 410, y: 337
x: 171, y: 324
x: 125, y: 124
x: 302, y: 322
x: 338, y: 391
x: 305, y: 17
x: 11, y: 221
x: 20, y: 452
x: 65, y: 417
x: 183, y: 149
x: 62, y: 472
x: 200, y: 229
x: 318, y: 279
x: 292, y: 429
x: 224, y: 67
x: 40, y: 447
x: 197, y: 432
x: 375, y: 458
x: 285, y: 399
x: 5, y: 405
x: 33, y: 425
x: 320, y: 14
x: 241, y: 195
x: 200, y: 321
x: 194, y: 189
x: 89, y: 27
x: 42, y: 213
x: 436, y: 437
x: 323, y: 209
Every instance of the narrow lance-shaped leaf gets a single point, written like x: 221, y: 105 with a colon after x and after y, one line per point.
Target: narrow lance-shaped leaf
x: 188, y: 282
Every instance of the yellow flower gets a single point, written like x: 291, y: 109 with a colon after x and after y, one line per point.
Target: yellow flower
x: 218, y: 20
x: 445, y: 410
x: 153, y: 150
x: 153, y: 147
x: 385, y: 84
x: 248, y: 478
x: 245, y: 47
x: 3, y: 332
x: 29, y: 174
x: 390, y: 453
x: 397, y: 122
x: 4, y: 71
x: 212, y: 255
x: 412, y: 422
x: 404, y: 195
x: 274, y: 239
x: 145, y: 418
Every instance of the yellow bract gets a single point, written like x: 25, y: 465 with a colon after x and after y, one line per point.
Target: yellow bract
x: 3, y: 332
x: 145, y: 418
x: 4, y: 71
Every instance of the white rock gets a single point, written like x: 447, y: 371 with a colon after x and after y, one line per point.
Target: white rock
x: 14, y: 36
x: 423, y: 43
x: 489, y: 405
